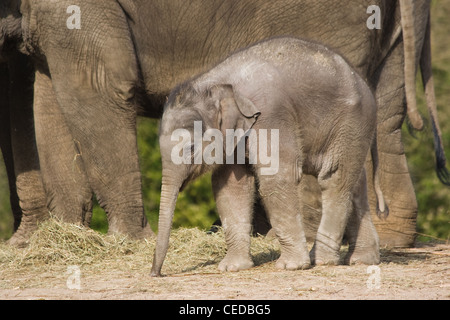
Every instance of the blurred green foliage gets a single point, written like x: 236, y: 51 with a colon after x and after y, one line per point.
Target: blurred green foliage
x: 196, y: 207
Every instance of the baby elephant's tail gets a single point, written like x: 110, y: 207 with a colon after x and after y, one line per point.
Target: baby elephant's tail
x: 382, y: 208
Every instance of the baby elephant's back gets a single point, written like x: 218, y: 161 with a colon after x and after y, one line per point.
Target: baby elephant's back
x: 331, y: 99
x: 318, y: 81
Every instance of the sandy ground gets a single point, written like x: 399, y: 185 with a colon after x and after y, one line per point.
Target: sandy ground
x: 416, y: 273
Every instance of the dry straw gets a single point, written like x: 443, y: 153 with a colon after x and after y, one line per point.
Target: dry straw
x: 58, y: 244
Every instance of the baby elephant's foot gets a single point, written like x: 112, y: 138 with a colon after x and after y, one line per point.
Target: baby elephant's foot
x: 289, y: 262
x: 323, y: 255
x: 235, y: 263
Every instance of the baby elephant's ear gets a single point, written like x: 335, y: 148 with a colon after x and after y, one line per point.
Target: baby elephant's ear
x: 235, y: 111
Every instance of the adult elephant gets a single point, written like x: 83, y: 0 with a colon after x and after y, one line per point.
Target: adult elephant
x: 64, y: 188
x: 17, y: 142
x: 28, y: 197
x: 91, y: 83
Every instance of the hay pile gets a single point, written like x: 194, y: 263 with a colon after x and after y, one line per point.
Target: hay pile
x: 58, y: 244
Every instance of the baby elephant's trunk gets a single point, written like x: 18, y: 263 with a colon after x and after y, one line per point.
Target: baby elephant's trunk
x: 382, y: 208
x: 169, y: 195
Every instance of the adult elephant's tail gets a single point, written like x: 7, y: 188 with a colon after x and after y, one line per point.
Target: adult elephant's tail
x: 409, y: 44
x: 428, y: 83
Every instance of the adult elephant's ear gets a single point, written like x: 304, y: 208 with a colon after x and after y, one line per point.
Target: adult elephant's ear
x: 234, y: 111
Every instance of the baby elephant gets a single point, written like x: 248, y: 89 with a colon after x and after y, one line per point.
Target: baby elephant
x: 259, y: 120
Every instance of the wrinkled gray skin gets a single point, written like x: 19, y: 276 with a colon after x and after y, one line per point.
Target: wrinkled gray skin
x: 129, y: 54
x: 17, y: 141
x: 18, y: 147
x: 326, y: 117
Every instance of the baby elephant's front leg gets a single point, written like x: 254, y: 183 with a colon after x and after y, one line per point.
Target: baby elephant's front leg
x: 280, y: 197
x: 234, y: 188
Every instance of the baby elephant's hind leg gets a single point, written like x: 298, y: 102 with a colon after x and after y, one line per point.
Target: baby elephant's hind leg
x: 336, y: 208
x: 233, y: 187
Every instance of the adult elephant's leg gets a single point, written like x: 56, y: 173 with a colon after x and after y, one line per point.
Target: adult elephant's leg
x: 5, y: 144
x: 260, y: 222
x: 26, y: 161
x: 105, y: 136
x: 95, y: 74
x: 69, y: 196
x: 103, y: 128
x: 400, y: 227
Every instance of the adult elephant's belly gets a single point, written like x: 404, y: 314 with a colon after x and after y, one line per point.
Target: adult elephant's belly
x: 186, y: 39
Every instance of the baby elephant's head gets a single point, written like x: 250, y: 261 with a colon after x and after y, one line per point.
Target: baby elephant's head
x: 195, y: 125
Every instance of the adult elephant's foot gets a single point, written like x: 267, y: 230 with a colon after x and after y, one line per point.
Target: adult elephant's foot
x: 322, y: 254
x: 28, y: 225
x: 19, y: 240
x: 293, y: 262
x: 365, y: 247
x: 147, y: 233
x: 369, y: 256
x: 138, y: 231
x: 399, y: 229
x: 124, y: 207
x: 233, y: 262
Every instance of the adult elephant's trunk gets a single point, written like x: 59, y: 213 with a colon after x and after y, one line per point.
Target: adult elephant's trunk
x: 409, y: 45
x: 169, y: 193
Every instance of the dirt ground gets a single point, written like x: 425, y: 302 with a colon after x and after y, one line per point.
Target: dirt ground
x: 416, y: 273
